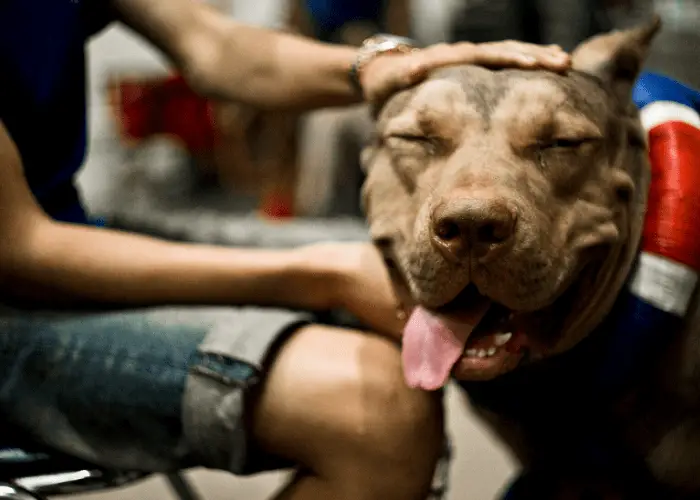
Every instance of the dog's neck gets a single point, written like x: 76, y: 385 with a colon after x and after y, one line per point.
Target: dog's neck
x: 661, y: 277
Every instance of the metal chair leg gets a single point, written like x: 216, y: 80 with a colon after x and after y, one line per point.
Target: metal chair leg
x: 12, y: 492
x: 182, y: 487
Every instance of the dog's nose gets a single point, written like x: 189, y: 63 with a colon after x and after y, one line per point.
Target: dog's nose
x: 472, y: 225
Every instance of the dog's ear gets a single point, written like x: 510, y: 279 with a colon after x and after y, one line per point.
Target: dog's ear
x: 617, y: 57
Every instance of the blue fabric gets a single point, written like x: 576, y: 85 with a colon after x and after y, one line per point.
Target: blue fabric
x: 634, y: 331
x: 42, y: 92
x: 119, y: 373
x: 652, y: 87
x: 329, y: 15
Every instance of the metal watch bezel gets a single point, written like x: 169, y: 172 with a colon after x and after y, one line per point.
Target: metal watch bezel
x: 377, y: 45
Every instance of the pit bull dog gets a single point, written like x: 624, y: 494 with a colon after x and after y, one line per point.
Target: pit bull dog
x: 509, y: 206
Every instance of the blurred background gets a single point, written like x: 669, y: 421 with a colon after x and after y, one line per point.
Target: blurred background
x: 166, y: 162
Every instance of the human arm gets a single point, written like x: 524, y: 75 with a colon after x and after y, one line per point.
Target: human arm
x: 55, y: 263
x: 223, y: 58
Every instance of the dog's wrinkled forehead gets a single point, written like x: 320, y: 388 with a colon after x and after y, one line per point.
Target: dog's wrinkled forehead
x: 468, y: 95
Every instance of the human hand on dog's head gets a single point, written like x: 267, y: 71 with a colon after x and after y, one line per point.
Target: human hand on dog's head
x: 389, y: 73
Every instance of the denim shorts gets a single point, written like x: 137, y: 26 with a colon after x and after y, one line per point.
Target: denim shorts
x: 149, y: 389
x: 155, y: 389
x: 158, y: 389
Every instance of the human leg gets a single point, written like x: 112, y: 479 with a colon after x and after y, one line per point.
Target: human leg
x: 108, y: 387
x: 335, y: 401
x: 332, y: 401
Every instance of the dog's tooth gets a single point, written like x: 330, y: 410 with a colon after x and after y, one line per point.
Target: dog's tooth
x: 481, y: 353
x: 471, y: 352
x: 502, y: 338
x: 491, y: 351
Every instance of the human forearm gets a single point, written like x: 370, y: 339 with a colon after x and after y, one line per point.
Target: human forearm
x: 225, y: 59
x: 59, y: 263
x: 222, y: 58
x: 271, y: 69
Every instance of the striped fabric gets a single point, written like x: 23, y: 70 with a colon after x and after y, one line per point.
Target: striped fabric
x: 666, y: 274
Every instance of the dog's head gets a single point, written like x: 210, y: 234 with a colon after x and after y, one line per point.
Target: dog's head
x: 508, y: 205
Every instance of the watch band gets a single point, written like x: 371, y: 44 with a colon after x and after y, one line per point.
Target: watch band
x: 375, y: 46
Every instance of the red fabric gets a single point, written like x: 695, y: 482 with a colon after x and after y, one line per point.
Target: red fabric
x: 136, y: 115
x: 167, y: 107
x: 671, y: 226
x: 278, y: 206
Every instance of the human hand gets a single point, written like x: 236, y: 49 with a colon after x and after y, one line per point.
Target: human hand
x: 389, y: 73
x: 358, y: 281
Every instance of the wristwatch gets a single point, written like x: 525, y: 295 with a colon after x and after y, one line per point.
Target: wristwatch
x: 377, y: 45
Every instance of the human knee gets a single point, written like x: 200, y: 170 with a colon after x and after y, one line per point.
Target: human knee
x: 397, y: 433
x: 335, y: 401
x: 393, y: 421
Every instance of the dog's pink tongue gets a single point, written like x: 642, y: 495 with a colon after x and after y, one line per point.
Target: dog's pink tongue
x: 432, y: 345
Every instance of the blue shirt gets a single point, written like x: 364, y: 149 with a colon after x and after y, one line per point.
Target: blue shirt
x: 43, y: 92
x: 330, y: 15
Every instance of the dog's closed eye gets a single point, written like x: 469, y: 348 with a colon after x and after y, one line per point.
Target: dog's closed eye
x: 429, y: 144
x: 564, y: 143
x: 410, y: 137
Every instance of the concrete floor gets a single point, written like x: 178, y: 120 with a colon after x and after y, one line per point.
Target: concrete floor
x: 479, y: 470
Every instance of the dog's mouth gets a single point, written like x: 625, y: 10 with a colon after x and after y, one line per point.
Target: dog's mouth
x: 472, y: 337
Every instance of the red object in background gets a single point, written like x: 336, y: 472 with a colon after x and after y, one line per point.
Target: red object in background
x: 169, y: 107
x: 278, y: 205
